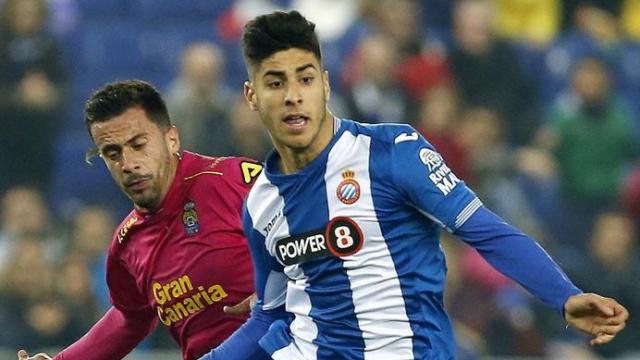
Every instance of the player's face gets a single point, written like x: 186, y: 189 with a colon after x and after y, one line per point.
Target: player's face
x: 290, y: 91
x: 139, y: 154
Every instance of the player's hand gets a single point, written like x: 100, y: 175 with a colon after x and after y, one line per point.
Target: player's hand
x: 601, y: 317
x: 243, y: 307
x: 22, y: 355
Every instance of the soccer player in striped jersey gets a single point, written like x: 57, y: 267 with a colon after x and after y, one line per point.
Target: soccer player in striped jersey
x: 343, y: 226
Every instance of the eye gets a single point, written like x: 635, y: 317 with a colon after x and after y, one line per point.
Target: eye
x: 139, y: 145
x: 274, y: 84
x: 307, y: 79
x: 112, y: 155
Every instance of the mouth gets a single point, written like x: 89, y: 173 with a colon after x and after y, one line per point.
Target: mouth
x: 138, y: 183
x: 296, y: 121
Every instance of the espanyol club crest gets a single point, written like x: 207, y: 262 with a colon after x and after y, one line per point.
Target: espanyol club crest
x: 190, y: 218
x: 348, y: 190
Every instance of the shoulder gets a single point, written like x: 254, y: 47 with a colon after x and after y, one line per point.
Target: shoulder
x: 122, y: 233
x: 387, y: 132
x: 232, y: 169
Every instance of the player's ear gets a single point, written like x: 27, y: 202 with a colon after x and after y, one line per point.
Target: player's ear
x: 250, y: 95
x: 326, y: 85
x: 173, y: 139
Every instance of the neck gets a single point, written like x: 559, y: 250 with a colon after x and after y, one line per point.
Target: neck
x: 292, y: 160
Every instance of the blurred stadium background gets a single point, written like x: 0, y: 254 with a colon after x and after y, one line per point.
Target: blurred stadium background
x: 535, y: 103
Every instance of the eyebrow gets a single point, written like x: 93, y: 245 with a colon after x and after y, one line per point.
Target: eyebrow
x: 110, y: 147
x: 280, y: 73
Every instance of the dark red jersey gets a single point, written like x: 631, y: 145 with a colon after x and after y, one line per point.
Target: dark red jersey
x: 190, y: 258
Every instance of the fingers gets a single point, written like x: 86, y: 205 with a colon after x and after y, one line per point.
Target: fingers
x: 253, y: 299
x: 23, y: 355
x: 604, y: 305
x: 608, y: 329
x: 601, y: 339
x: 40, y: 356
x: 621, y: 313
x: 242, y: 307
x: 606, y: 333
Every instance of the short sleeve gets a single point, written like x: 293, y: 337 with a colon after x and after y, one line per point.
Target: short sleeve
x: 421, y: 175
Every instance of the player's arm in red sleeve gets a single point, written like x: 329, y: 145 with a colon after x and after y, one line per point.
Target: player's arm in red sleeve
x: 112, y: 337
x: 122, y: 328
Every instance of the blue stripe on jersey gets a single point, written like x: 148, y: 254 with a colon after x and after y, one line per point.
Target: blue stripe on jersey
x: 332, y: 301
x: 418, y: 252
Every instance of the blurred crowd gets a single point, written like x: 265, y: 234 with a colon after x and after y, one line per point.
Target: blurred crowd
x: 534, y: 103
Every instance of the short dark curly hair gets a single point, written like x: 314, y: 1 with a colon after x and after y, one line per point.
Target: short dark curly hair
x: 270, y: 33
x: 115, y: 98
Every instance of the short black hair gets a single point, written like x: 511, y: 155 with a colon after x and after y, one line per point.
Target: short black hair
x: 270, y: 33
x: 115, y: 98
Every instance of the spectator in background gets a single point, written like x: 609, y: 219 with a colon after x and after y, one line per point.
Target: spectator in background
x: 199, y: 100
x: 91, y: 233
x: 420, y: 52
x: 25, y: 237
x: 594, y: 28
x: 613, y: 265
x: 583, y: 13
x: 590, y: 134
x: 532, y: 21
x: 25, y: 218
x: 630, y: 19
x: 74, y: 285
x: 31, y: 93
x: 481, y: 133
x: 248, y: 139
x: 29, y: 293
x: 439, y: 113
x: 487, y: 73
x: 373, y: 93
x: 399, y: 21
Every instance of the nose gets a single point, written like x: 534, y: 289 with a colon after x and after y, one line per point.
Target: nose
x: 293, y: 95
x: 130, y: 162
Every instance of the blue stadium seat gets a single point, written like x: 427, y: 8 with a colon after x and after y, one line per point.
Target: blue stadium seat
x: 559, y: 61
x: 104, y: 8
x: 106, y: 46
x: 75, y: 183
x: 186, y: 9
x: 234, y: 64
x: 161, y: 44
x: 629, y: 68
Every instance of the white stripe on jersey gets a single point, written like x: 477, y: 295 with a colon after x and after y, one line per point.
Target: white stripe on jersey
x: 303, y: 329
x: 275, y: 290
x: 264, y: 210
x: 466, y: 213
x: 377, y: 296
x: 270, y: 205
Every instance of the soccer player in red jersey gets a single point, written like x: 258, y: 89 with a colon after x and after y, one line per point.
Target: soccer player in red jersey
x: 180, y: 256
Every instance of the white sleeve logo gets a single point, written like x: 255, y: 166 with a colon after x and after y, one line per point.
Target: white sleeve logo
x: 406, y: 137
x: 430, y: 158
x: 439, y: 173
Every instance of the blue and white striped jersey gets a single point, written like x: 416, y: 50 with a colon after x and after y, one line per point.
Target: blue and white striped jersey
x: 350, y: 245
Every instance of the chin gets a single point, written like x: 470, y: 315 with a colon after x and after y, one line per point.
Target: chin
x: 298, y: 146
x: 142, y: 201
